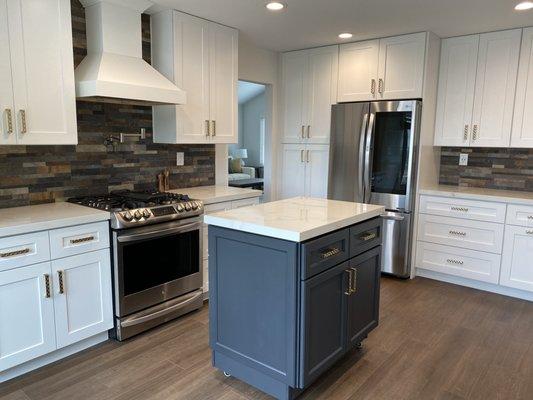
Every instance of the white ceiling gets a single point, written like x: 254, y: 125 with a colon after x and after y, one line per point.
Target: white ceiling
x: 248, y: 90
x: 309, y: 23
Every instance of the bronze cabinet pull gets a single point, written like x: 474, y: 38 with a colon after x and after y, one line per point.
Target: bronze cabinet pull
x: 15, y: 253
x: 307, y: 156
x: 453, y: 261
x: 474, y: 132
x: 350, y: 280
x: 61, y: 278
x: 82, y: 240
x: 24, y: 128
x: 330, y: 253
x: 46, y: 286
x: 303, y: 132
x: 9, y: 118
x: 457, y: 233
x: 302, y: 155
x: 354, y: 280
x: 308, y: 131
x: 214, y: 132
x: 207, y: 125
x: 373, y: 87
x: 529, y: 232
x: 368, y: 236
x: 380, y: 86
x: 465, y: 133
x: 463, y: 209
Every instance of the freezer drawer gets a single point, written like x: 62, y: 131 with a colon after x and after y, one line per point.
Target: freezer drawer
x: 396, y: 254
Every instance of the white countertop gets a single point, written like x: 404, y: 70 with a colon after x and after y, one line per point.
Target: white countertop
x: 296, y: 219
x: 18, y: 220
x: 218, y: 193
x: 506, y: 196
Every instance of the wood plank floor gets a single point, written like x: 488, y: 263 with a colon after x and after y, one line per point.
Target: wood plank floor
x: 435, y: 341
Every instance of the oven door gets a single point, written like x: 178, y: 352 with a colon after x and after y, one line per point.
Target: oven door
x: 156, y: 263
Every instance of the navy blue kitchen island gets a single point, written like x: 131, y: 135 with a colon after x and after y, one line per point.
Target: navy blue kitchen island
x: 294, y: 285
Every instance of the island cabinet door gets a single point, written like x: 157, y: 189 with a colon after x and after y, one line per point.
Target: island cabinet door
x: 323, y: 322
x: 363, y: 300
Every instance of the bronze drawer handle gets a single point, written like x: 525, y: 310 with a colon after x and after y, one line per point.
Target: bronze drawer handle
x: 61, y: 278
x: 47, y: 286
x: 330, y: 253
x: 530, y: 217
x: 82, y: 240
x: 457, y: 233
x: 463, y: 209
x: 350, y: 280
x: 15, y: 253
x: 452, y: 261
x: 368, y: 236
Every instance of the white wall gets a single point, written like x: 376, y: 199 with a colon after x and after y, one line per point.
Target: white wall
x: 252, y: 112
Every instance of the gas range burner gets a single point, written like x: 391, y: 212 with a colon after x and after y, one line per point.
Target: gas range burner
x: 131, y: 209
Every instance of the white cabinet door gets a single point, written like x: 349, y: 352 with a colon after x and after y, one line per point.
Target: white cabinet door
x: 83, y: 302
x: 7, y: 125
x: 401, y: 66
x: 455, y: 101
x: 43, y: 71
x: 517, y: 268
x: 293, y: 171
x: 316, y: 170
x: 223, y: 83
x: 322, y: 92
x: 522, y: 134
x: 495, y: 88
x: 358, y: 69
x: 26, y: 315
x: 295, y: 66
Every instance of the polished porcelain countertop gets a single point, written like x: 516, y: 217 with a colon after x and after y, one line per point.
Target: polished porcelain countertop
x: 297, y: 219
x: 472, y: 193
x: 218, y: 193
x: 19, y: 220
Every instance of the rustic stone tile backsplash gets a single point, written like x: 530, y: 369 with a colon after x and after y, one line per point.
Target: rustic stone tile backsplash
x: 494, y: 168
x: 42, y: 174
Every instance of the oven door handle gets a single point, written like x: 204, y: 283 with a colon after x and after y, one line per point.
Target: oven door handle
x: 139, y: 320
x: 158, y: 232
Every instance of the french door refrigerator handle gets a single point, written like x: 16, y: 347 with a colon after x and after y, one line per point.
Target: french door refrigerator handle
x: 362, y: 141
x: 367, y: 173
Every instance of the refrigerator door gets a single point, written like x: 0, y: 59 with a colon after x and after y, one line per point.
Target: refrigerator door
x: 346, y: 162
x: 390, y: 160
x: 396, y: 252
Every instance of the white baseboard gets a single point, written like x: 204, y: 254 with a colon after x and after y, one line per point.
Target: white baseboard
x: 51, y: 357
x: 488, y: 287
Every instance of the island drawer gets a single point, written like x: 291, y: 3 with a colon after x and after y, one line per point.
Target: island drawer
x: 324, y: 252
x: 365, y: 236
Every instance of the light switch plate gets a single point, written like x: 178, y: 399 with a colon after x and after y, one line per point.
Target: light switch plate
x: 463, y: 159
x: 180, y: 159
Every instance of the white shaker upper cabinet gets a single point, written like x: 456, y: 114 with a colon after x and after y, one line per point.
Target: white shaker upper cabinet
x: 201, y: 58
x: 43, y: 71
x: 455, y: 101
x: 401, y: 66
x: 495, y: 88
x: 322, y: 92
x: 522, y: 133
x: 295, y: 67
x: 358, y: 71
x: 7, y: 128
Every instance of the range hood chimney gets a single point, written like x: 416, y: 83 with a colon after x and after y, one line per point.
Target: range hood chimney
x: 114, y: 69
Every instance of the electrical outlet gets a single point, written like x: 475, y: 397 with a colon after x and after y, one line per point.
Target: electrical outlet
x: 463, y: 159
x: 180, y: 159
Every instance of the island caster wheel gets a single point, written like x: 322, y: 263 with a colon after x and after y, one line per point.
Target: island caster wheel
x: 226, y: 374
x: 359, y: 345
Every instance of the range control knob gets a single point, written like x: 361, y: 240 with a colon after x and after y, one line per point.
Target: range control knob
x: 188, y: 207
x: 127, y: 216
x: 137, y: 214
x: 194, y: 205
x: 146, y: 213
x: 180, y: 208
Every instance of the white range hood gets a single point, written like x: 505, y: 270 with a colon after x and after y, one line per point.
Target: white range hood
x: 113, y: 67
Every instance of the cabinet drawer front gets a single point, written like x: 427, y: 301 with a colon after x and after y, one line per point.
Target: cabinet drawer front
x: 17, y: 251
x: 449, y: 260
x: 519, y: 215
x: 365, y: 236
x: 474, y: 235
x: 517, y: 265
x: 467, y: 209
x: 79, y: 239
x: 324, y: 252
x: 245, y: 202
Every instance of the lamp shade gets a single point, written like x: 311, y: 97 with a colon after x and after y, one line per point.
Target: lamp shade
x: 241, y: 153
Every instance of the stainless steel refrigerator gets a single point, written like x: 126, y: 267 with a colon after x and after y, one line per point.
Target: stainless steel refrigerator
x: 373, y: 158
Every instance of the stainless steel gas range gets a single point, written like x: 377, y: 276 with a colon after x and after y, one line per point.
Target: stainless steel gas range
x: 156, y: 250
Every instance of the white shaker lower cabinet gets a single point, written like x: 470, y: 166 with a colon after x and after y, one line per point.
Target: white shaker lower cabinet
x: 27, y: 328
x: 82, y: 296
x: 517, y: 261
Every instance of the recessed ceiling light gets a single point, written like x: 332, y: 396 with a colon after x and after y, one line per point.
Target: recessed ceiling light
x: 275, y: 6
x: 345, y: 35
x: 525, y: 5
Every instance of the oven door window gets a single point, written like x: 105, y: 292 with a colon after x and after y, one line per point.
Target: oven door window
x: 153, y: 262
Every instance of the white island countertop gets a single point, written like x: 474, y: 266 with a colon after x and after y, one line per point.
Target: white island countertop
x: 19, y: 220
x: 296, y: 219
x: 217, y: 193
